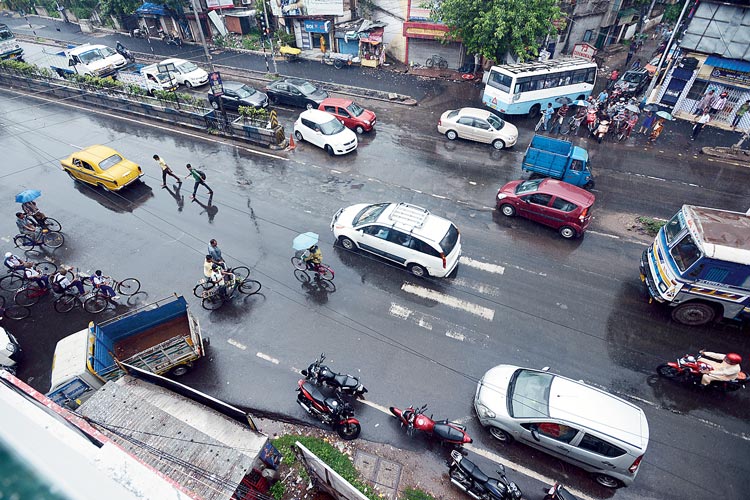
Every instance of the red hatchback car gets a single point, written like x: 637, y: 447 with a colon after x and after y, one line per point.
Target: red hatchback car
x: 557, y: 204
x: 354, y: 116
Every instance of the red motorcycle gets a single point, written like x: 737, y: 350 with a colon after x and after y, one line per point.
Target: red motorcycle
x: 332, y: 411
x: 688, y: 369
x: 445, y: 431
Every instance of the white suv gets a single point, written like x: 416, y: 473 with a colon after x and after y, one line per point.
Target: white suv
x: 325, y: 131
x: 186, y: 73
x: 427, y: 245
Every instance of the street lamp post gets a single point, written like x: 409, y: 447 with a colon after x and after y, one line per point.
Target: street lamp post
x: 652, y: 85
x: 208, y: 56
x: 265, y: 16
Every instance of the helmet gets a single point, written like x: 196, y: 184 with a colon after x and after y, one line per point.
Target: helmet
x: 8, y: 254
x: 733, y: 358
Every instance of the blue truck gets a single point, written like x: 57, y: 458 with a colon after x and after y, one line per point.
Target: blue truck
x: 162, y: 337
x: 549, y: 157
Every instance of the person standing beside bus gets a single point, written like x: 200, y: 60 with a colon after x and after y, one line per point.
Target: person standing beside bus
x: 548, y: 113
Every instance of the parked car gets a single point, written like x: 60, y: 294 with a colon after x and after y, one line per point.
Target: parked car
x: 325, y: 131
x: 186, y: 73
x: 633, y: 81
x: 427, y: 245
x: 295, y: 92
x: 568, y: 419
x: 101, y: 166
x: 478, y: 125
x: 554, y: 203
x: 238, y: 94
x: 350, y: 113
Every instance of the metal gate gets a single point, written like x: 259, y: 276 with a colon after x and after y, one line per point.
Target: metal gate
x: 421, y: 49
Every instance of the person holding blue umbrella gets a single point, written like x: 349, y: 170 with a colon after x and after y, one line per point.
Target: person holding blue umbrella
x: 26, y: 199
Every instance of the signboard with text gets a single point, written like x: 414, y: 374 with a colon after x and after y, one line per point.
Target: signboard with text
x: 584, y: 50
x: 214, y: 81
x: 290, y: 8
x: 220, y: 4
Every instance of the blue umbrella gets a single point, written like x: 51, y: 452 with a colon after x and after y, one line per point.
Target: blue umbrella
x: 581, y: 102
x: 304, y: 241
x: 28, y: 195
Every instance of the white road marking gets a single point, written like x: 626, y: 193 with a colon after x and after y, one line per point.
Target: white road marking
x: 478, y: 287
x: 335, y: 171
x: 384, y: 409
x: 419, y: 319
x: 455, y: 335
x: 236, y: 344
x: 267, y: 358
x: 482, y: 312
x: 438, y: 196
x: 484, y: 266
x: 613, y: 236
x: 525, y: 270
x: 399, y: 311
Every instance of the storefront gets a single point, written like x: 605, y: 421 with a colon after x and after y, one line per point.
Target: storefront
x: 311, y: 21
x: 423, y: 40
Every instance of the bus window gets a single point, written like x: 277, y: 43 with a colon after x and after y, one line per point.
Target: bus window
x: 551, y: 81
x: 525, y: 84
x: 591, y: 75
x: 579, y: 76
x: 500, y: 81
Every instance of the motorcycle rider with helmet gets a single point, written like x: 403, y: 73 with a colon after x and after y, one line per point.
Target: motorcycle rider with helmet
x: 721, y: 367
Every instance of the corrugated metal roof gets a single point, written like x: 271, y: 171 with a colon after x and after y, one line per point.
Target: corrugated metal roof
x: 719, y: 29
x: 733, y: 64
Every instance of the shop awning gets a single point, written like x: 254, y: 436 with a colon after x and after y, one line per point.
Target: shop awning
x: 733, y: 64
x: 154, y: 9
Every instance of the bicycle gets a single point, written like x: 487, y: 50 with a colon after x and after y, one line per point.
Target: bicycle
x: 69, y: 299
x: 206, y: 284
x: 437, y: 60
x: 52, y: 239
x: 98, y: 300
x: 29, y: 294
x: 321, y: 270
x: 13, y: 311
x: 215, y: 298
x: 15, y: 278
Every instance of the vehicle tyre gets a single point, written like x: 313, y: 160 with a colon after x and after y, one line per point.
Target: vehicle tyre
x: 347, y: 244
x: 338, y: 63
x: 567, y: 232
x: 329, y: 150
x: 241, y: 272
x: 607, y: 481
x: 348, y: 430
x: 418, y: 271
x: 298, y: 136
x: 212, y: 302
x: 188, y: 85
x: 451, y: 135
x: 498, y: 144
x: 202, y: 288
x: 507, y: 210
x: 325, y: 273
x: 534, y: 111
x: 128, y: 286
x: 429, y: 62
x: 26, y: 297
x: 299, y: 263
x: 11, y: 283
x: 501, y: 435
x: 302, y: 276
x: 17, y: 312
x: 215, y: 104
x: 52, y: 224
x: 443, y: 64
x: 694, y: 313
x: 70, y: 174
x: 65, y: 303
x: 359, y: 129
x: 589, y: 185
x: 95, y: 304
x: 250, y: 287
x: 54, y: 240
x: 666, y: 371
x: 180, y: 370
x: 23, y: 241
x: 273, y: 98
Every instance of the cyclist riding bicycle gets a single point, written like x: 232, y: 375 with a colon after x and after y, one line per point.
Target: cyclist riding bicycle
x: 30, y: 209
x: 222, y: 278
x: 14, y: 262
x: 313, y: 257
x: 28, y: 227
x: 61, y: 283
x: 101, y: 282
x: 31, y: 274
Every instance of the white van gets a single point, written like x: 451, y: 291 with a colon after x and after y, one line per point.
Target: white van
x: 186, y: 73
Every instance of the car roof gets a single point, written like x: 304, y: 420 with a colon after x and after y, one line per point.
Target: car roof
x: 296, y: 81
x: 173, y: 60
x: 568, y: 191
x: 96, y: 153
x: 337, y: 101
x: 232, y: 85
x: 317, y: 116
x: 415, y: 220
x: 475, y: 112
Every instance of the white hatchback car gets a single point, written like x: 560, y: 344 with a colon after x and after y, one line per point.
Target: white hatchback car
x: 577, y: 423
x: 478, y: 125
x: 427, y: 245
x: 325, y: 131
x: 186, y: 73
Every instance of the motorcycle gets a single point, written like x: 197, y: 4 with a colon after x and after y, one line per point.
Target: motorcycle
x: 124, y: 52
x: 331, y: 411
x: 445, y: 431
x: 558, y: 492
x: 688, y: 369
x: 170, y: 38
x: 320, y: 375
x: 469, y: 478
x: 138, y: 33
x: 601, y: 130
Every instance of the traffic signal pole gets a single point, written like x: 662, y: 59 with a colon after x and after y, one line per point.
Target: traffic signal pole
x: 266, y: 32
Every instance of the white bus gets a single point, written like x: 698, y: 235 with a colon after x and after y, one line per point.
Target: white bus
x: 526, y: 88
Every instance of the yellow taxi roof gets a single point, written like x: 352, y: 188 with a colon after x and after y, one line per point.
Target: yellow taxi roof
x: 95, y: 154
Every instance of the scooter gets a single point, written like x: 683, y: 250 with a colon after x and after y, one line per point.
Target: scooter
x: 558, y: 492
x: 470, y: 479
x: 445, y: 431
x: 331, y: 411
x: 688, y: 369
x: 601, y: 130
x: 320, y: 375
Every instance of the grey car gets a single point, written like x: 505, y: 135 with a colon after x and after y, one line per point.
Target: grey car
x: 590, y: 428
x: 238, y: 94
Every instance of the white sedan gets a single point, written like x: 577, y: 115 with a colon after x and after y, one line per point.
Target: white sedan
x: 325, y: 131
x: 478, y: 125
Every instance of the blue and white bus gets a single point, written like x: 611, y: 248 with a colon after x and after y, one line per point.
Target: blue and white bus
x: 526, y: 88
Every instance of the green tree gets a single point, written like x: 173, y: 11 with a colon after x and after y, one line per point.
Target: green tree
x: 494, y: 28
x: 118, y: 8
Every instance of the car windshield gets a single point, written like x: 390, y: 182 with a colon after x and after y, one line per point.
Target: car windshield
x: 5, y: 35
x: 452, y: 114
x: 245, y: 91
x: 449, y: 240
x: 369, y: 214
x: 632, y: 77
x: 331, y: 127
x: 110, y: 162
x: 528, y: 186
x: 307, y: 88
x: 187, y: 67
x: 90, y: 56
x: 685, y: 253
x: 108, y: 52
x: 675, y: 225
x: 354, y: 109
x: 496, y: 122
x: 528, y: 393
x: 163, y: 77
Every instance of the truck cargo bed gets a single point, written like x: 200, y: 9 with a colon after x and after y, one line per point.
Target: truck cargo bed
x: 133, y: 345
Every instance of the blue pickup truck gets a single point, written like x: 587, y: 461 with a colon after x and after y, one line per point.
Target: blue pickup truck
x: 549, y: 157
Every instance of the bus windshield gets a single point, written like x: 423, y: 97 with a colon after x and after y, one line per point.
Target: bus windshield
x: 685, y: 253
x: 674, y: 227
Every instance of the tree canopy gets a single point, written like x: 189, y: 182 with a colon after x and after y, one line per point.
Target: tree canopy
x: 494, y: 28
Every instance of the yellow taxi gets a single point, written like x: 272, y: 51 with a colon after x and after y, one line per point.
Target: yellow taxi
x: 101, y: 166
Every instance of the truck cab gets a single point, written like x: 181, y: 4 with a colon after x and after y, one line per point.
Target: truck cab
x: 550, y: 157
x: 98, y: 60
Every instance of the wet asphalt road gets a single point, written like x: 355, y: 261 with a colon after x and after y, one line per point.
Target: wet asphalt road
x: 573, y: 306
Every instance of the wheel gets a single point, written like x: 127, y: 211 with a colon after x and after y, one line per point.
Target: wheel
x: 45, y: 267
x: 567, y: 232
x: 501, y: 435
x: 274, y: 99
x: 299, y: 263
x: 128, y: 286
x: 417, y: 270
x: 338, y: 63
x: 451, y: 135
x: 11, y: 283
x: 241, y: 272
x: 70, y: 174
x: 301, y: 276
x: 607, y: 481
x: 28, y: 296
x: 17, y: 312
x: 250, y: 287
x: 347, y: 244
x: 429, y: 63
x: 215, y: 104
x: 589, y: 185
x: 23, y: 241
x: 65, y: 303
x: 694, y: 313
x: 52, y: 224
x: 498, y: 144
x: 534, y: 111
x: 666, y: 371
x: 188, y: 85
x: 348, y: 430
x: 179, y: 370
x: 212, y: 302
x: 329, y: 150
x: 202, y: 288
x: 359, y: 129
x: 95, y: 304
x: 54, y: 240
x: 298, y: 136
x: 507, y: 210
x: 325, y: 273
x: 443, y: 64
